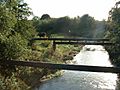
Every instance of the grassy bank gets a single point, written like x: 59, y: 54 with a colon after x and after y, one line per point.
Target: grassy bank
x: 26, y: 78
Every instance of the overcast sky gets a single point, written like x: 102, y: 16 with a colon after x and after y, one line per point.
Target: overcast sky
x: 58, y: 8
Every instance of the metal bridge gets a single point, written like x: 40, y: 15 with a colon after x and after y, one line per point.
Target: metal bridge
x: 61, y: 66
x: 85, y: 41
x: 73, y: 41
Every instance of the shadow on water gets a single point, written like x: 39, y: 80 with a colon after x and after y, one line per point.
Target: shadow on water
x: 75, y: 80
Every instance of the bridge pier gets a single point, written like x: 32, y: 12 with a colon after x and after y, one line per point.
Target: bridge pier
x: 54, y: 45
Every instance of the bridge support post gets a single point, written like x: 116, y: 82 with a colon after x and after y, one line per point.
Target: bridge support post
x: 54, y: 45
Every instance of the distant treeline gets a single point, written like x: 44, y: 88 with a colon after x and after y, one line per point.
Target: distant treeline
x: 85, y: 26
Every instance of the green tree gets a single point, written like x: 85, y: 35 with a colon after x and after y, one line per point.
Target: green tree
x: 45, y: 16
x: 14, y: 32
x: 113, y: 33
x: 87, y: 26
x: 81, y: 27
x: 62, y: 25
x: 7, y: 19
x: 25, y: 28
x: 100, y: 29
x: 74, y: 26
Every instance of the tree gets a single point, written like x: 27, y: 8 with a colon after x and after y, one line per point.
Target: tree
x: 7, y: 19
x: 113, y: 33
x: 82, y: 27
x: 45, y: 16
x: 100, y: 29
x: 87, y: 26
x: 15, y: 31
x: 74, y: 26
x: 62, y: 25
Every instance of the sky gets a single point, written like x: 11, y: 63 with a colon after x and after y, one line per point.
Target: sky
x: 59, y: 8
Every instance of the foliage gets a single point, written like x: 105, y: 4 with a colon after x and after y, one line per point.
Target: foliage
x: 15, y: 32
x: 80, y: 26
x: 113, y: 32
x: 100, y: 29
x: 45, y: 16
x: 7, y: 20
x: 87, y: 26
x: 25, y: 28
x: 12, y: 47
x: 12, y: 83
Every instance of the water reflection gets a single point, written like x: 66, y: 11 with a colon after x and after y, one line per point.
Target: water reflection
x: 75, y: 80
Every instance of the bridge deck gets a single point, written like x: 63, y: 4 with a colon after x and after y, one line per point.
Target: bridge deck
x: 63, y: 66
x: 73, y: 39
x: 82, y: 41
x: 85, y: 43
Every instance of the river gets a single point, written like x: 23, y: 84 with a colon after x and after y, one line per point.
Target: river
x: 80, y: 80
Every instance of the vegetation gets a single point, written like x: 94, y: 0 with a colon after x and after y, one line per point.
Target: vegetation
x: 113, y: 32
x: 15, y: 34
x: 85, y: 26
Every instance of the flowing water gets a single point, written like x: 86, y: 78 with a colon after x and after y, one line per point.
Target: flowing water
x: 79, y: 80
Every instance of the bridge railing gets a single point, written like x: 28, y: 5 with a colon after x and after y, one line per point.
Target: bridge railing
x: 72, y: 39
x: 62, y: 66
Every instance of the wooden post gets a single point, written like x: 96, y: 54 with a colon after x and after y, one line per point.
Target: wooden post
x: 54, y: 45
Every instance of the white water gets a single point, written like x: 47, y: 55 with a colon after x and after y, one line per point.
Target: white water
x: 76, y: 80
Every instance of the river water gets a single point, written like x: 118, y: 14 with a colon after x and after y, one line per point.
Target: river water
x: 80, y: 80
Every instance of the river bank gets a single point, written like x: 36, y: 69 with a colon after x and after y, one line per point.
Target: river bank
x: 74, y: 80
x: 67, y: 58
x: 62, y: 54
x: 26, y: 78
